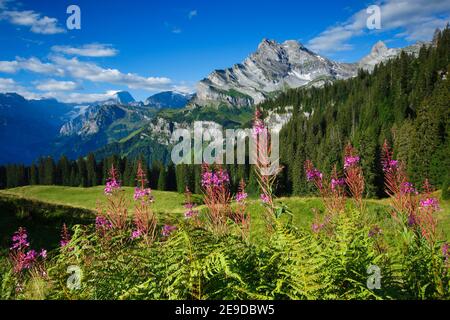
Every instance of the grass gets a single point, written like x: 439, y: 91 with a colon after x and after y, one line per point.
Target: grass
x: 87, y: 198
x: 169, y: 205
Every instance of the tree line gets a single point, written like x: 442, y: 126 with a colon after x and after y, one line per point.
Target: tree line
x: 88, y: 172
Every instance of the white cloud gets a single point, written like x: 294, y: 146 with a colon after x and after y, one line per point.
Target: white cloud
x: 9, y: 85
x: 35, y: 21
x: 192, y: 13
x: 92, y: 72
x: 87, y: 50
x: 9, y: 66
x: 76, y: 97
x: 415, y: 20
x: 32, y: 64
x: 176, y: 30
x: 61, y: 66
x: 54, y: 85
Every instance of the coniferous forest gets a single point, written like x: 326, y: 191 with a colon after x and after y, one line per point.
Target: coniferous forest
x: 405, y: 100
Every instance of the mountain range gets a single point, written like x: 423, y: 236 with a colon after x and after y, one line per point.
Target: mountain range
x: 33, y: 128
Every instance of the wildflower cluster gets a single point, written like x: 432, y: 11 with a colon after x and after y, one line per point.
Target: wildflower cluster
x: 189, y: 205
x: 240, y: 215
x: 112, y: 183
x: 216, y: 179
x: 167, y: 230
x: 331, y: 190
x: 354, y: 177
x: 116, y: 209
x: 417, y: 209
x: 144, y: 219
x: 216, y: 196
x: 22, y: 257
x: 259, y: 127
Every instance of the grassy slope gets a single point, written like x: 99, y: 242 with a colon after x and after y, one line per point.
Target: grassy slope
x: 170, y: 204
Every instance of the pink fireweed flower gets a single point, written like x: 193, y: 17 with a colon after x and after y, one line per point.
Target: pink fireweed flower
x: 412, y: 220
x: 313, y: 174
x: 102, y: 223
x: 432, y: 203
x: 20, y: 239
x: 43, y: 254
x: 351, y: 161
x: 136, y: 234
x: 143, y: 194
x: 241, y: 196
x: 408, y: 188
x: 390, y: 165
x: 316, y: 227
x: 264, y: 198
x: 215, y: 179
x: 111, y: 186
x: 167, y: 230
x: 65, y: 236
x: 337, y: 183
x: 190, y: 212
x: 30, y: 259
x: 258, y: 125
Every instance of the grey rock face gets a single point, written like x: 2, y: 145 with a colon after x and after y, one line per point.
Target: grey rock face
x: 272, y: 68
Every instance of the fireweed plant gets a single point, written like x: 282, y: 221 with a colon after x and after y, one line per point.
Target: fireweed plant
x: 217, y: 197
x: 145, y: 221
x: 208, y: 253
x: 266, y: 174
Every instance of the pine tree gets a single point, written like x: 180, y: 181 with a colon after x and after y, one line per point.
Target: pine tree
x: 82, y: 172
x: 162, y: 185
x: 91, y: 171
x: 64, y: 169
x: 171, y: 180
x: 33, y: 175
x: 49, y: 171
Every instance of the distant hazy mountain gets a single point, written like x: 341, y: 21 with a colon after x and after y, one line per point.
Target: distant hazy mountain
x: 27, y: 127
x: 169, y: 99
x: 381, y: 53
x: 120, y: 97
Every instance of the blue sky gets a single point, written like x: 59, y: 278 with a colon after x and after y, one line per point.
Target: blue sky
x: 150, y: 46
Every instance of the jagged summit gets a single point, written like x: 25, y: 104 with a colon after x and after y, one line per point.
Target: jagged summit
x: 273, y: 67
x: 123, y: 97
x: 379, y: 48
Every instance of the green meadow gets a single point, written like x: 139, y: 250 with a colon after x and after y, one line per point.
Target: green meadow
x: 167, y: 205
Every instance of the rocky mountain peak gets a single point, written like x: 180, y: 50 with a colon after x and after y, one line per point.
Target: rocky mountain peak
x: 272, y: 68
x: 379, y: 48
x: 123, y: 97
